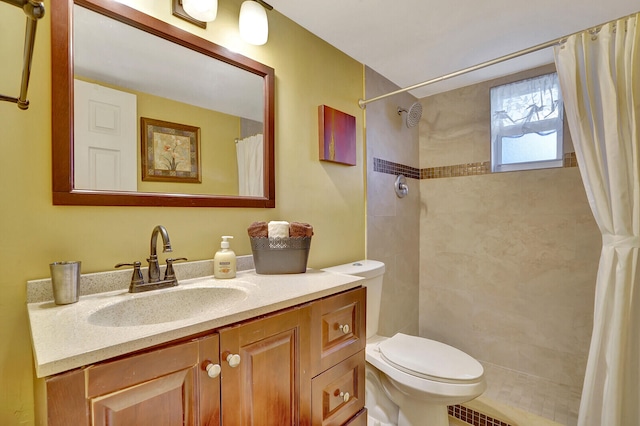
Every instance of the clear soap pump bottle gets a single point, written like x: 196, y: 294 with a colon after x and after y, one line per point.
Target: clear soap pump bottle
x: 224, y: 262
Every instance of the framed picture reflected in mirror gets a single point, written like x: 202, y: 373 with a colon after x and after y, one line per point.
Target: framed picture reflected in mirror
x: 170, y: 151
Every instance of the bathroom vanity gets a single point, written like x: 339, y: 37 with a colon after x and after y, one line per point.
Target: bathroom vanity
x: 289, y: 350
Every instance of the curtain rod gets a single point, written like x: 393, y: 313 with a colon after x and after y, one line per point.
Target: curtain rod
x: 363, y: 103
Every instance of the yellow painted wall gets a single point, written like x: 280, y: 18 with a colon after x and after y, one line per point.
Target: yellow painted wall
x: 217, y: 148
x: 34, y: 233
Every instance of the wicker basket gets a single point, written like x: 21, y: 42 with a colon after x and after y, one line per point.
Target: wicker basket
x: 280, y: 255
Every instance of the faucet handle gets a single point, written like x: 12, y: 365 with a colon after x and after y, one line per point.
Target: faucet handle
x: 136, y: 278
x: 169, y: 274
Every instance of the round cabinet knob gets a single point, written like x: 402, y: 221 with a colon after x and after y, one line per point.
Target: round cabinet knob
x: 345, y: 396
x: 233, y: 360
x: 345, y: 328
x: 213, y: 370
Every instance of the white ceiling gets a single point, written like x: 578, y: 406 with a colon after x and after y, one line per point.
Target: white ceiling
x: 411, y: 41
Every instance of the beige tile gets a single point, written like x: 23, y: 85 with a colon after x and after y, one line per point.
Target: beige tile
x: 457, y: 422
x: 387, y: 136
x: 562, y: 368
x: 526, y: 399
x: 501, y: 266
x: 509, y: 414
x: 381, y: 198
x: 517, y: 251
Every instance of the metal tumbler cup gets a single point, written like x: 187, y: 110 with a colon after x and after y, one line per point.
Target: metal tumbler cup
x: 65, y: 279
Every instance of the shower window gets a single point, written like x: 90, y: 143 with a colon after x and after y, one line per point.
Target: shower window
x: 526, y: 124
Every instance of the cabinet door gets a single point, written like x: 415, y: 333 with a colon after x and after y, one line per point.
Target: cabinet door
x: 166, y: 400
x: 271, y: 385
x: 66, y: 404
x: 167, y: 386
x: 209, y: 387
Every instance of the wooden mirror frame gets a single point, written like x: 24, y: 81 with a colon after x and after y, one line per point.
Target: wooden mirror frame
x: 62, y: 75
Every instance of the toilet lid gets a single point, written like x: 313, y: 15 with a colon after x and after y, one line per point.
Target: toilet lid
x: 430, y: 359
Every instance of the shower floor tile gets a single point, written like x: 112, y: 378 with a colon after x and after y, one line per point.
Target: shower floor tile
x: 535, y: 395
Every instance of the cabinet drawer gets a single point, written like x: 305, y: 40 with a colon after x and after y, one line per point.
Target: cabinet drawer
x: 359, y: 419
x: 338, y: 328
x: 338, y: 393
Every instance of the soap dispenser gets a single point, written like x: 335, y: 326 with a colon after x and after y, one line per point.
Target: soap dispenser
x: 224, y: 262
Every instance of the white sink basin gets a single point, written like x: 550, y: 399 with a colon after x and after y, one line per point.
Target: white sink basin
x: 160, y: 306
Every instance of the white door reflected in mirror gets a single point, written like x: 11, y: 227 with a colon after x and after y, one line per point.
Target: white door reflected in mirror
x: 105, y: 145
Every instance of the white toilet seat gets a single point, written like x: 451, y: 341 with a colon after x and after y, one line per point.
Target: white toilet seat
x: 435, y: 390
x: 429, y: 359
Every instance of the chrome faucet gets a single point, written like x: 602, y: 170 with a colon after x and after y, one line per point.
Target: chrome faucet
x: 137, y: 281
x: 154, y: 268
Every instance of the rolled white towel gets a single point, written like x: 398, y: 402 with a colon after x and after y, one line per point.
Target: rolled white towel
x: 278, y: 229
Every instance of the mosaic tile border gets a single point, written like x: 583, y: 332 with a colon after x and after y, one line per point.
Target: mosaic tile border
x: 570, y: 160
x: 473, y: 417
x: 389, y: 167
x: 456, y: 170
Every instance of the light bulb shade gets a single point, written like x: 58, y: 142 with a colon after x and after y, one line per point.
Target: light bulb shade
x: 202, y: 10
x: 254, y: 27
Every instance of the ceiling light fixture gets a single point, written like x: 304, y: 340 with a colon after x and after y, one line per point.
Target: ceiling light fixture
x: 254, y: 26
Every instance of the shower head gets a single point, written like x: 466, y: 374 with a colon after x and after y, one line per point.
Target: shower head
x: 413, y: 114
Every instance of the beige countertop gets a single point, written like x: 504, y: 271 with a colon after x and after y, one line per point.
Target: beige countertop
x: 64, y: 338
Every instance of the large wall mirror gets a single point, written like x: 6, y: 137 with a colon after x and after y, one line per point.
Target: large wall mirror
x: 147, y: 114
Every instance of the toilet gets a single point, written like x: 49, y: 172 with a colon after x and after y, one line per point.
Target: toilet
x: 410, y: 380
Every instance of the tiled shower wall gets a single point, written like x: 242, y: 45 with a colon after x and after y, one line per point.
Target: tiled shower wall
x: 508, y: 261
x: 393, y: 224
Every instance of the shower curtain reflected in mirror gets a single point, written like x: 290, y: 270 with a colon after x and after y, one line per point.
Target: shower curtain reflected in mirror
x: 249, y: 152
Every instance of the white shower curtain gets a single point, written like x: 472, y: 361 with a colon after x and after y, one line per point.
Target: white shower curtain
x: 599, y: 74
x: 249, y: 154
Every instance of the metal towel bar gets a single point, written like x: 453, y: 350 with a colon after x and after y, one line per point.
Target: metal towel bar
x: 34, y: 11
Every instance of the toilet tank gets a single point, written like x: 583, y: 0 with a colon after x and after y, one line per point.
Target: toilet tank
x: 372, y: 271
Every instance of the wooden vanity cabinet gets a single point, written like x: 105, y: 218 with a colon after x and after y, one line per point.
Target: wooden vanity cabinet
x: 292, y: 367
x: 166, y: 386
